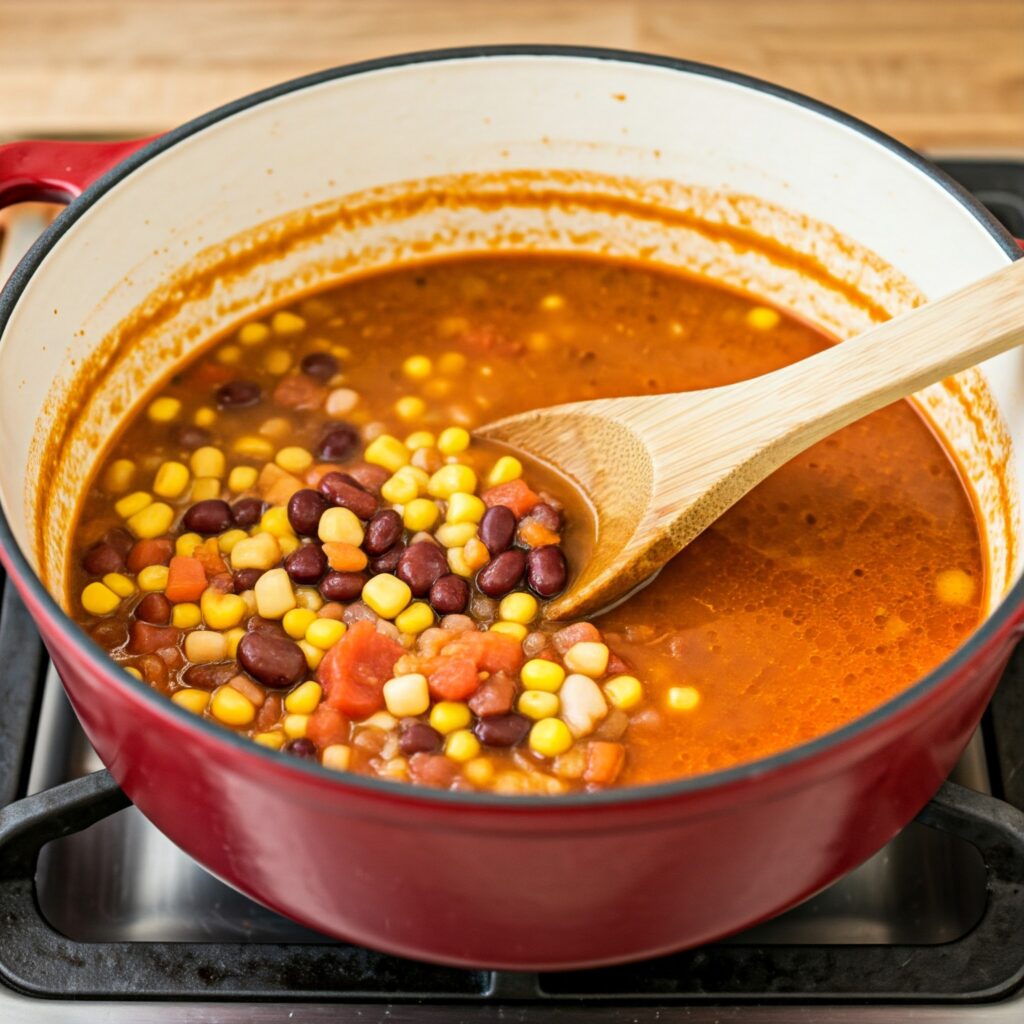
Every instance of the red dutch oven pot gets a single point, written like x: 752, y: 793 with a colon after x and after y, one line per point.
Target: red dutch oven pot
x: 470, y: 878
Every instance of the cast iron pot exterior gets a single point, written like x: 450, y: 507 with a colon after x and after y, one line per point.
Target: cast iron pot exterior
x: 476, y: 880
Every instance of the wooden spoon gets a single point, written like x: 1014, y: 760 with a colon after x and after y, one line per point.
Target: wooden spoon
x: 658, y: 469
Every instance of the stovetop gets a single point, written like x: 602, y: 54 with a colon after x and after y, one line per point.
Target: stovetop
x: 102, y: 918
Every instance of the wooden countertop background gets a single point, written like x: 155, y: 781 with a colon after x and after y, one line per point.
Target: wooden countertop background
x: 946, y: 76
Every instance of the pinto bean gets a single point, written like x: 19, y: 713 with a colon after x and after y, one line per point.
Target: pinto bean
x: 502, y: 573
x: 146, y: 639
x: 298, y: 392
x: 432, y: 769
x: 149, y: 552
x: 577, y: 633
x: 370, y: 477
x: 273, y: 661
x: 210, y: 675
x: 494, y: 696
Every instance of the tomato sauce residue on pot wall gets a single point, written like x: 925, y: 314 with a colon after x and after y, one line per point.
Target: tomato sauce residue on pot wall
x: 834, y: 585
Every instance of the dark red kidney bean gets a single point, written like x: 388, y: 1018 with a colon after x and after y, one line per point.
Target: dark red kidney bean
x: 191, y: 437
x: 547, y: 515
x: 305, y: 508
x: 258, y: 624
x: 388, y: 561
x: 339, y: 443
x: 498, y: 529
x: 210, y: 676
x: 546, y: 570
x: 502, y: 730
x: 416, y: 737
x: 271, y: 660
x: 102, y: 558
x: 119, y: 539
x: 109, y: 633
x: 301, y: 747
x: 343, y: 491
x: 245, y: 579
x: 145, y: 639
x: 248, y: 512
x: 502, y: 573
x: 449, y: 595
x: 155, y: 609
x: 306, y: 564
x: 368, y: 476
x: 238, y: 394
x: 210, y: 516
x: 320, y: 366
x: 383, y: 531
x: 343, y: 586
x: 420, y: 565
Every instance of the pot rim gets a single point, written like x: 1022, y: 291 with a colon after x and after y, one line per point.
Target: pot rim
x: 96, y: 659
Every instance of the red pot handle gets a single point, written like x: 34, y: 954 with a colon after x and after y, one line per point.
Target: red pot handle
x: 57, y: 171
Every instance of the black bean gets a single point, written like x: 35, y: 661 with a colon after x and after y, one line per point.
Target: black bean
x: 547, y: 515
x: 415, y: 737
x: 210, y: 516
x: 271, y: 660
x: 301, y: 747
x: 210, y: 676
x: 245, y: 579
x: 238, y: 394
x: 343, y: 491
x: 155, y: 609
x: 305, y: 508
x: 102, y: 558
x: 191, y: 437
x: 248, y: 512
x: 339, y: 443
x: 388, y: 561
x: 502, y: 573
x: 502, y: 730
x: 420, y: 565
x: 306, y: 564
x: 498, y: 529
x: 449, y: 595
x: 343, y: 586
x: 320, y: 366
x: 383, y: 531
x: 546, y: 570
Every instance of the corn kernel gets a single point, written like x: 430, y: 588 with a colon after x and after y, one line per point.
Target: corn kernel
x: 380, y: 720
x: 163, y: 410
x: 407, y: 696
x: 253, y: 333
x: 207, y: 461
x: 325, y: 633
x: 99, y: 599
x: 624, y: 692
x: 234, y: 638
x: 683, y: 698
x: 231, y: 707
x: 205, y: 645
x: 410, y: 407
x: 152, y: 578
x: 274, y: 594
x: 505, y: 470
x: 451, y: 363
x: 762, y: 318
x: 272, y: 740
x: 297, y: 621
x: 222, y: 611
x: 186, y: 615
x: 119, y: 584
x: 417, y: 367
x: 387, y: 451
x: 309, y: 597
x: 550, y: 737
x: 229, y: 355
x: 259, y: 552
x: 449, y: 480
x: 118, y: 477
x: 458, y: 564
x: 479, y: 771
x: 340, y: 526
x: 420, y: 439
x: 954, y: 586
x: 294, y: 459
x: 455, y: 535
x: 304, y: 698
x: 437, y: 388
x: 516, y: 630
x: 253, y: 447
x: 538, y: 704
x: 284, y: 323
x: 336, y: 757
x: 518, y: 608
x: 276, y: 427
x: 462, y: 746
x: 420, y: 514
x: 453, y: 441
x: 465, y: 508
x: 551, y: 303
x: 133, y: 672
x: 448, y: 715
x: 191, y: 700
x: 387, y: 595
x: 204, y: 488
x: 242, y: 478
x: 275, y: 521
x: 132, y: 503
x: 399, y: 489
x: 540, y: 674
x: 226, y: 541
x: 312, y: 654
x: 416, y: 618
x: 186, y: 544
x: 587, y: 658
x: 204, y: 417
x: 295, y: 726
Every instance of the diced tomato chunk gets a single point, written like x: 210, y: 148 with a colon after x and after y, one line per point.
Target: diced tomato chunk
x: 577, y: 633
x: 186, y: 580
x: 209, y: 557
x: 149, y: 552
x: 453, y: 679
x: 490, y: 652
x: 514, y: 495
x: 327, y: 725
x: 604, y: 762
x: 355, y: 669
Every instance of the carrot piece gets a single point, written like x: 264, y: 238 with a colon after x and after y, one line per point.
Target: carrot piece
x: 514, y: 495
x: 345, y: 557
x: 276, y: 485
x: 534, y: 535
x: 208, y: 554
x: 186, y: 579
x: 604, y: 762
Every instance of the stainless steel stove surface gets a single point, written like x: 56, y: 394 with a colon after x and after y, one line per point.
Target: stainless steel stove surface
x: 103, y: 919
